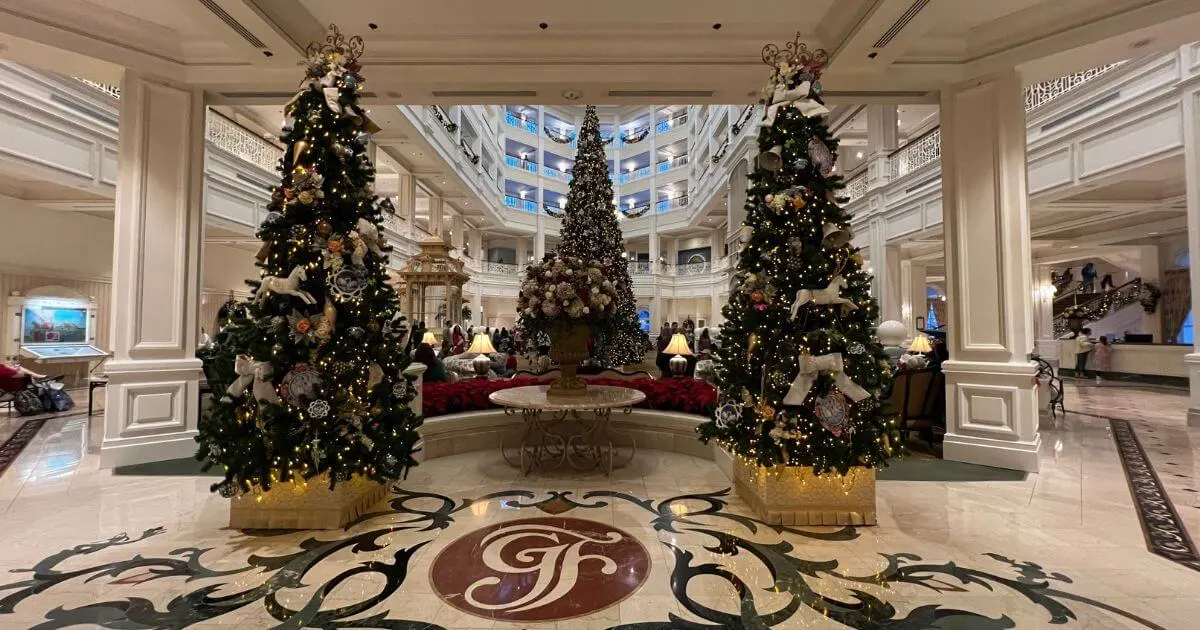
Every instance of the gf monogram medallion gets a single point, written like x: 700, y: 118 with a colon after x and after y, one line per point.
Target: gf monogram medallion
x: 540, y: 569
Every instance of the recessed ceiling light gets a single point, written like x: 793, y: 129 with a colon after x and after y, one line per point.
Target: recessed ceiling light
x: 417, y: 154
x: 543, y: 26
x: 1153, y: 233
x: 717, y: 26
x: 373, y: 26
x: 858, y: 155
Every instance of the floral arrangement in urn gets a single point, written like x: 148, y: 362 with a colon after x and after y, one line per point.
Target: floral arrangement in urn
x: 567, y: 298
x: 562, y: 291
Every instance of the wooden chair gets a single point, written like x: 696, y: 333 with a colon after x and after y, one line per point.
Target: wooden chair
x: 920, y: 397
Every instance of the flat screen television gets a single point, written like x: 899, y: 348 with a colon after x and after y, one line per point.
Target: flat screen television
x: 48, y: 323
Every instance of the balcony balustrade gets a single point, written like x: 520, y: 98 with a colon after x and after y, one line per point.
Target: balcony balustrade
x: 513, y: 120
x: 670, y: 163
x: 638, y: 267
x: 1041, y: 93
x: 554, y: 173
x: 523, y: 164
x: 666, y: 205
x: 856, y: 186
x: 241, y: 142
x: 632, y: 176
x: 670, y: 124
x: 528, y: 205
x: 915, y: 154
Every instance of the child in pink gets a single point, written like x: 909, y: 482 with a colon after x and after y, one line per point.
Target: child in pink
x: 1101, y: 357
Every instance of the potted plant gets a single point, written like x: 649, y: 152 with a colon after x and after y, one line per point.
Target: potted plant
x: 1076, y: 315
x: 568, y: 299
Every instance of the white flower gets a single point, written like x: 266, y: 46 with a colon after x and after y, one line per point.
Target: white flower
x: 586, y: 310
x: 595, y: 290
x: 569, y: 272
x: 549, y: 295
x: 566, y: 303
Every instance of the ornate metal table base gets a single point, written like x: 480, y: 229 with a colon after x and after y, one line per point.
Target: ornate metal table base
x: 543, y: 442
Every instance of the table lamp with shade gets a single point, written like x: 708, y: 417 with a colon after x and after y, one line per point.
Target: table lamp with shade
x: 680, y: 348
x: 917, y: 358
x: 920, y: 344
x: 482, y: 346
x: 429, y: 338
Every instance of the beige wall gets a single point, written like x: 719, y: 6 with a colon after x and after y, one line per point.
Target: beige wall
x: 74, y: 250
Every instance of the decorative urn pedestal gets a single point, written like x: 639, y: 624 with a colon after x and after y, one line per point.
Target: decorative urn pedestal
x: 289, y: 506
x: 568, y: 348
x: 795, y: 496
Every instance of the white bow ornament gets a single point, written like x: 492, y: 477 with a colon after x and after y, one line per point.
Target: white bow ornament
x: 811, y: 367
x: 798, y: 97
x: 256, y: 372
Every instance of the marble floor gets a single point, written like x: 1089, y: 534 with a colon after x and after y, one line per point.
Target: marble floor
x: 468, y: 542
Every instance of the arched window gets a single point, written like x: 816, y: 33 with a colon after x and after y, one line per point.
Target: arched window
x: 1186, y: 334
x: 931, y: 320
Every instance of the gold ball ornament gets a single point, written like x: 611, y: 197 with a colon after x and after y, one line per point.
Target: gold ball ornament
x: 324, y: 228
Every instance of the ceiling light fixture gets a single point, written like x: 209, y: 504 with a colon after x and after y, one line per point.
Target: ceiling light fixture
x: 858, y: 155
x: 543, y: 26
x: 717, y: 26
x: 373, y: 26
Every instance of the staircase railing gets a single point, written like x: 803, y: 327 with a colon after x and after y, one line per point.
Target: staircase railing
x: 1097, y: 305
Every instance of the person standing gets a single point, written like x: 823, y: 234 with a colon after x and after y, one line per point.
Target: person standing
x: 1106, y: 283
x: 1083, y: 348
x: 1102, y: 357
x: 1088, y: 275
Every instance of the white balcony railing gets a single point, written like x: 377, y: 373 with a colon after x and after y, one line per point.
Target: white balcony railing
x: 915, y: 154
x: 693, y: 269
x: 236, y: 139
x: 639, y: 267
x: 502, y: 268
x: 856, y: 186
x: 666, y: 205
x: 554, y: 173
x: 670, y: 124
x: 1041, y: 93
x: 111, y: 90
x: 670, y: 163
x: 520, y: 163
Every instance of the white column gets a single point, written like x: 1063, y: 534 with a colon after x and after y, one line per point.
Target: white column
x: 406, y: 199
x: 522, y: 252
x: 912, y: 295
x: 477, y: 246
x: 457, y: 238
x: 436, y: 216
x: 655, y: 246
x: 991, y: 403
x: 885, y: 265
x: 882, y: 139
x: 1150, y: 271
x: 1191, y: 146
x: 152, y: 400
x: 539, y: 237
x: 1043, y: 313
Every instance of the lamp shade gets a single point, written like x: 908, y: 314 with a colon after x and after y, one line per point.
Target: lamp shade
x: 481, y: 344
x: 429, y: 338
x: 920, y: 343
x: 678, y: 346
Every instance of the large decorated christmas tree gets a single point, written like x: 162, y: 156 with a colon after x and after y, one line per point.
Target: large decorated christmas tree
x: 799, y: 372
x: 308, y: 376
x: 590, y: 231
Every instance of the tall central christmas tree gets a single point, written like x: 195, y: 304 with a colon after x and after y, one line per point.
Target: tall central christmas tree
x: 799, y: 372
x: 308, y: 376
x: 590, y: 231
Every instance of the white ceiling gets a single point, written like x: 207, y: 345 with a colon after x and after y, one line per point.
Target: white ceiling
x: 481, y: 51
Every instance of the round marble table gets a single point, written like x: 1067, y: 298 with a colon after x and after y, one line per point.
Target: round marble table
x: 542, y: 440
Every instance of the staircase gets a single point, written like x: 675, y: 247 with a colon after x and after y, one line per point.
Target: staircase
x: 1092, y: 306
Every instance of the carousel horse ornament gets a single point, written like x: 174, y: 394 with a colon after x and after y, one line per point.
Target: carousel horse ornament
x: 284, y: 286
x: 256, y: 373
x: 830, y: 295
x: 811, y: 367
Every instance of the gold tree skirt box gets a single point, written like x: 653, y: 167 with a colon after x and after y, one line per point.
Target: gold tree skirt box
x: 795, y: 496
x: 287, y: 506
